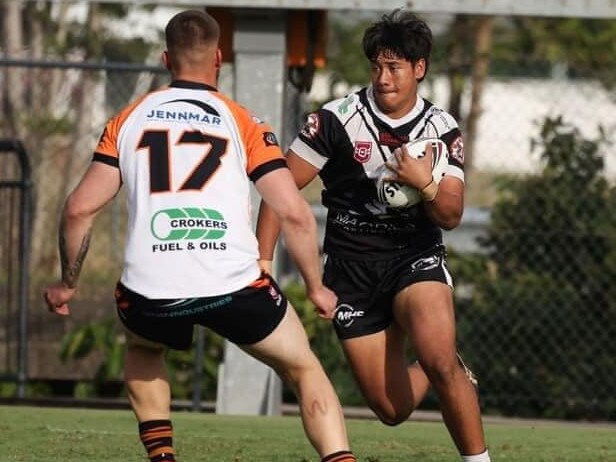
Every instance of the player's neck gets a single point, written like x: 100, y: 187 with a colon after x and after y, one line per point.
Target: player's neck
x: 207, y: 78
x: 402, y: 111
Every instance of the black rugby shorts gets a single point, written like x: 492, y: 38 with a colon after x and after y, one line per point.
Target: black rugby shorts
x: 243, y: 317
x: 366, y: 289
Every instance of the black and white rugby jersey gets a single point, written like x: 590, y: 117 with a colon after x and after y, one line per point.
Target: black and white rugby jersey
x: 349, y: 140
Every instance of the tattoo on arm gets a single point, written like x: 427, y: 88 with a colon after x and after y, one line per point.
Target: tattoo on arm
x: 70, y: 271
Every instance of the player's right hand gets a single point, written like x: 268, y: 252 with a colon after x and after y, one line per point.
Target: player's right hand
x: 416, y: 173
x: 325, y: 302
x: 57, y: 296
x: 266, y: 266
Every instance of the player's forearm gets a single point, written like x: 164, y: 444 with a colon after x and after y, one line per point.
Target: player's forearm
x: 74, y: 243
x: 301, y: 241
x: 267, y: 231
x: 445, y: 210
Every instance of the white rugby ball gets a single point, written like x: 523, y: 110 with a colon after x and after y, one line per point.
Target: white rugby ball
x: 399, y: 195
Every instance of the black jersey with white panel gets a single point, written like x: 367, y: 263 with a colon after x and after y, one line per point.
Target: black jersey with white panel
x: 349, y: 140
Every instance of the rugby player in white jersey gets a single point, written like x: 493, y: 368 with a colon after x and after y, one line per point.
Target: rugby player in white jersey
x: 186, y: 155
x: 388, y: 265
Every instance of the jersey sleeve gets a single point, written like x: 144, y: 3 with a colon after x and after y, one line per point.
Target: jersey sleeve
x: 317, y: 138
x: 262, y: 149
x: 455, y: 144
x: 107, y: 148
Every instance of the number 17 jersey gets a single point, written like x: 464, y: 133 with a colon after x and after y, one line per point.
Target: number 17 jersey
x: 186, y: 156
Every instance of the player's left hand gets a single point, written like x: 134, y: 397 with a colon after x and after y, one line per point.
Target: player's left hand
x: 57, y: 296
x: 416, y: 173
x: 325, y: 302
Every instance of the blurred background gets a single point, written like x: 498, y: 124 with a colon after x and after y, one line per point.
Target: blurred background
x: 534, y: 260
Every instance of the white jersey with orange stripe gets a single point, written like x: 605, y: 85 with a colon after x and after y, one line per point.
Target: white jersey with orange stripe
x: 186, y: 155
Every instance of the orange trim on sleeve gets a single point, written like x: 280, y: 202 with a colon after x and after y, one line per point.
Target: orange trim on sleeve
x: 108, y: 142
x: 257, y: 136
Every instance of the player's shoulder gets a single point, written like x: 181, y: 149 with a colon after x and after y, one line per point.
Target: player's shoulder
x: 240, y: 113
x: 140, y: 103
x: 343, y: 108
x: 225, y: 100
x: 439, y: 118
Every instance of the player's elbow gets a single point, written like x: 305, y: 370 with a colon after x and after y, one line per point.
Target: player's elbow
x: 75, y: 209
x: 298, y: 219
x: 446, y: 221
x: 450, y: 222
x: 447, y: 215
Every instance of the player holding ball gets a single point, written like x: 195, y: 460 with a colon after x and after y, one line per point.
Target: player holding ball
x: 386, y: 261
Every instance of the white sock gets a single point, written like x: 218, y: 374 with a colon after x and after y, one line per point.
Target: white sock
x: 483, y: 457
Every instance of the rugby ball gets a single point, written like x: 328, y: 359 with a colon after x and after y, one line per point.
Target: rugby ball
x: 399, y: 195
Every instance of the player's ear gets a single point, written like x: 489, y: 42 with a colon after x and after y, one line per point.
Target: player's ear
x: 218, y: 61
x: 420, y: 69
x: 165, y: 60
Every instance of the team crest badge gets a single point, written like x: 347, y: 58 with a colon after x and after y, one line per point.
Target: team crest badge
x: 311, y: 126
x: 270, y: 139
x: 363, y: 151
x: 457, y: 150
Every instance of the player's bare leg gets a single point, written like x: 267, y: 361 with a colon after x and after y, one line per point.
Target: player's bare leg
x: 149, y: 395
x: 146, y: 379
x: 392, y: 388
x: 426, y: 309
x: 288, y: 352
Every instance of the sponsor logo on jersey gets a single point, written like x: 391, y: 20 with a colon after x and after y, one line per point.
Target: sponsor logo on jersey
x: 311, y: 126
x: 201, y: 113
x: 187, y: 307
x: 270, y: 139
x: 389, y: 139
x: 457, y: 150
x: 363, y: 151
x: 183, y: 116
x: 426, y: 264
x: 343, y: 108
x: 346, y: 314
x: 188, y: 223
x: 363, y: 224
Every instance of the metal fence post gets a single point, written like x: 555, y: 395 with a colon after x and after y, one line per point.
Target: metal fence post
x: 25, y: 216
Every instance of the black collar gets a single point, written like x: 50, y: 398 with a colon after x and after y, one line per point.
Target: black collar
x: 191, y: 85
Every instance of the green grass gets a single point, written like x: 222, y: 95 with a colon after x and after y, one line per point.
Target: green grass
x: 37, y: 434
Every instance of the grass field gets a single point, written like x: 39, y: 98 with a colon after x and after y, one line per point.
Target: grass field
x: 37, y: 434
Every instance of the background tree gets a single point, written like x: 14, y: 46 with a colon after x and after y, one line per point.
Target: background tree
x: 103, y: 343
x: 346, y: 62
x: 12, y: 38
x: 55, y: 112
x: 571, y: 47
x: 548, y: 274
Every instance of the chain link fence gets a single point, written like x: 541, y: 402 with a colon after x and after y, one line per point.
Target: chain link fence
x: 534, y: 259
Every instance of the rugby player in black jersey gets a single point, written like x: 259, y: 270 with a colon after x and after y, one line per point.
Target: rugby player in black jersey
x: 388, y: 265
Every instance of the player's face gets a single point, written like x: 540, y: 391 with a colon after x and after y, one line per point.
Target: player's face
x: 395, y: 83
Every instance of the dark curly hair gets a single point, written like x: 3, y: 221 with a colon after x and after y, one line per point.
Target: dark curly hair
x: 399, y: 34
